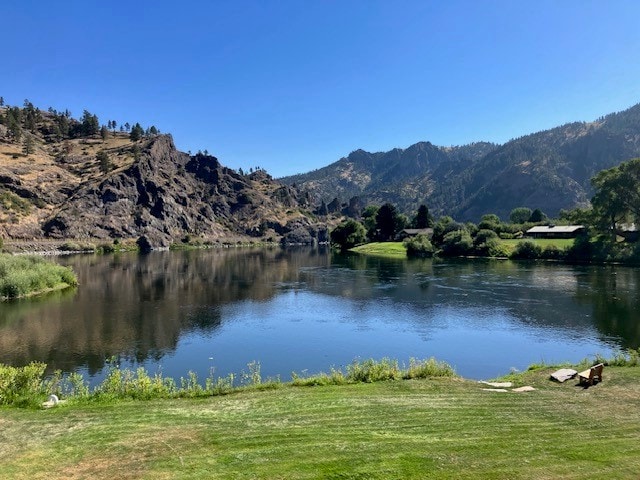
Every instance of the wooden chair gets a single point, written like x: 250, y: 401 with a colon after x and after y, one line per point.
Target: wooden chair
x: 593, y: 373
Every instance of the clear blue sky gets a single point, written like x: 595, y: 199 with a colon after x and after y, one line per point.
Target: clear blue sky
x: 291, y: 86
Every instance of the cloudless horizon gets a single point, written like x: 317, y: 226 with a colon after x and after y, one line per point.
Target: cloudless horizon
x: 292, y: 86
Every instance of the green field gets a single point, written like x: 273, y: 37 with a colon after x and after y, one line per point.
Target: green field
x: 382, y: 249
x: 543, y: 242
x: 433, y: 428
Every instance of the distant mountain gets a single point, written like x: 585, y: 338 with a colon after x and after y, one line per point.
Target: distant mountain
x: 79, y: 184
x: 550, y: 170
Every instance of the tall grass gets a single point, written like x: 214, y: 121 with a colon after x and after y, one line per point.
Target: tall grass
x: 26, y: 275
x: 27, y: 386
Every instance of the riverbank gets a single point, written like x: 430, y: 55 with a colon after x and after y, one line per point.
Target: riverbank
x: 431, y: 428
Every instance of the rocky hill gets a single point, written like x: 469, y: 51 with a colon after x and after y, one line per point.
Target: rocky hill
x: 550, y: 170
x: 93, y: 186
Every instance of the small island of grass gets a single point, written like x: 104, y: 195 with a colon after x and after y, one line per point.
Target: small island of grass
x: 23, y: 276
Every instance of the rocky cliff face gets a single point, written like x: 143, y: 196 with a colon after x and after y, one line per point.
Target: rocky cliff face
x: 167, y: 194
x: 155, y: 192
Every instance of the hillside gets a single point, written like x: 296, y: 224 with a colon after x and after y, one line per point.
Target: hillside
x: 550, y: 170
x: 88, y: 185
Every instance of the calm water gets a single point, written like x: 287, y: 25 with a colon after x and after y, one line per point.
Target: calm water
x: 308, y: 310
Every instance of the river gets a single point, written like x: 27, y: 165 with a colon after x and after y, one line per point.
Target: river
x: 307, y: 310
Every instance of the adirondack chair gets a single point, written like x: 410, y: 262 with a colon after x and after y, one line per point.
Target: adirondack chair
x: 593, y: 373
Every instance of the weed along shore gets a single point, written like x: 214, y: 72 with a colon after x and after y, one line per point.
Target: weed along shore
x: 369, y: 422
x: 23, y: 276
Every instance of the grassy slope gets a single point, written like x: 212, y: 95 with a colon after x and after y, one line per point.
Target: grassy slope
x: 440, y: 428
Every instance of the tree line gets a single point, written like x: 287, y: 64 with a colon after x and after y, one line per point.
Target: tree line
x: 57, y: 125
x: 611, y: 227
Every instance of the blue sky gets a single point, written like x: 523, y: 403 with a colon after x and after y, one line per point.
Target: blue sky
x: 291, y: 86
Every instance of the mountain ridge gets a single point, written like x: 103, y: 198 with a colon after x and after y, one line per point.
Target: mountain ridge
x: 550, y: 169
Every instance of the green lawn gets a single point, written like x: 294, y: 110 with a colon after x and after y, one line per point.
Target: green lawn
x: 543, y: 242
x: 434, y: 428
x: 382, y: 249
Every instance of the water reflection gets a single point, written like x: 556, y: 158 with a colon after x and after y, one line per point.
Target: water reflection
x: 296, y: 309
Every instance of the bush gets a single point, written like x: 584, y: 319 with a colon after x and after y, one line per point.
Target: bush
x: 348, y: 235
x: 428, y: 368
x: 419, y: 246
x: 458, y: 243
x: 22, y: 386
x: 369, y: 371
x: 527, y: 250
x: 552, y: 252
x: 494, y: 248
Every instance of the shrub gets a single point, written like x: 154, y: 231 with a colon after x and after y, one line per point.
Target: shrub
x: 22, y: 386
x: 428, y: 368
x: 552, y: 252
x: 348, y: 235
x: 527, y: 250
x: 483, y: 235
x: 457, y: 243
x: 494, y: 248
x: 369, y: 371
x: 419, y: 246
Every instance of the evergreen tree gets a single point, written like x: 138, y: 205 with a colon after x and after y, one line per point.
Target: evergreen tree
x: 104, y: 133
x: 137, y: 133
x: 1, y: 101
x: 14, y: 123
x: 29, y: 145
x: 89, y: 124
x: 388, y: 222
x: 104, y: 161
x: 537, y: 216
x: 422, y: 218
x: 63, y: 125
x: 127, y: 126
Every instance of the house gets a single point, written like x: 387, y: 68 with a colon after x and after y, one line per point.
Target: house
x: 555, y: 231
x: 413, y: 232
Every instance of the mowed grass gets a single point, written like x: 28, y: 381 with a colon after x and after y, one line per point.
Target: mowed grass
x: 561, y: 243
x: 433, y: 428
x: 382, y: 249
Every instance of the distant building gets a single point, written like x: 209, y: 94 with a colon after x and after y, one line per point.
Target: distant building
x: 555, y: 231
x: 412, y: 232
x: 628, y: 231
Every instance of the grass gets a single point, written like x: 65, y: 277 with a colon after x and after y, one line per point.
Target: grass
x: 22, y: 276
x: 397, y: 250
x: 382, y: 249
x: 443, y: 427
x: 561, y: 243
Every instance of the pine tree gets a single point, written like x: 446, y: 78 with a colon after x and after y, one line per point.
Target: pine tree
x: 137, y: 133
x: 104, y: 133
x: 104, y: 161
x: 90, y: 124
x: 29, y: 145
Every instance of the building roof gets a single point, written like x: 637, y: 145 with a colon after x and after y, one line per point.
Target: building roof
x: 418, y: 231
x: 555, y: 229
